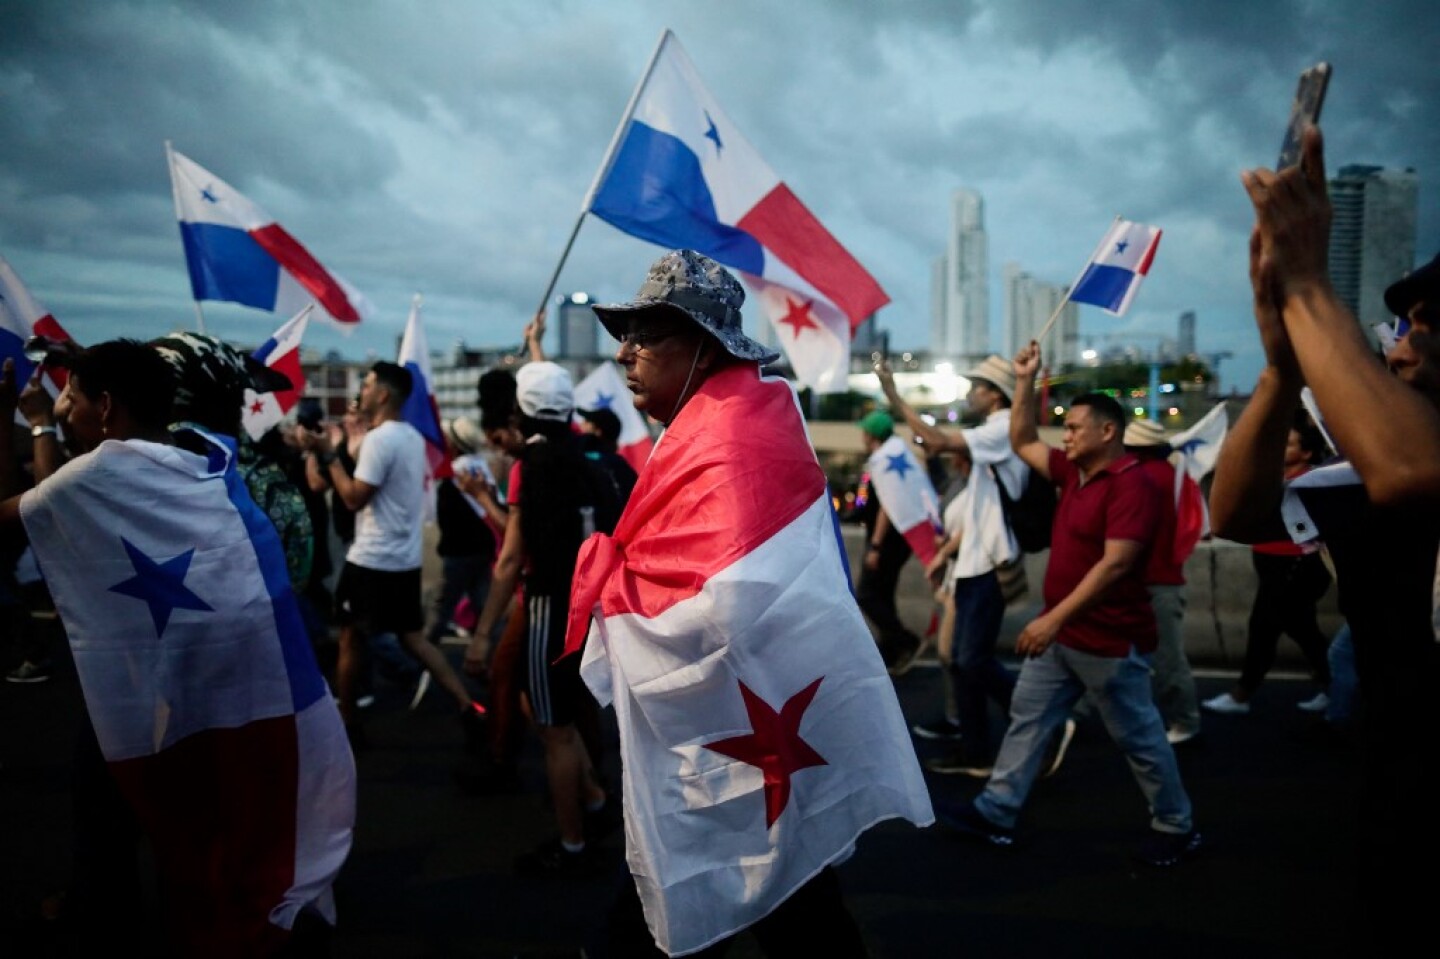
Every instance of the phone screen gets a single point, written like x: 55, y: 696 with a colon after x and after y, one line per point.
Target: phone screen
x: 1305, y: 110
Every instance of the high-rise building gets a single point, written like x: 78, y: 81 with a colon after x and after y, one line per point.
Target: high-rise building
x: 1029, y: 304
x: 1372, y: 236
x: 960, y: 295
x: 1186, y: 339
x: 579, y: 329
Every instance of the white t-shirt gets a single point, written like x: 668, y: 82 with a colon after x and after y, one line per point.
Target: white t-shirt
x: 387, y: 529
x: 986, y: 540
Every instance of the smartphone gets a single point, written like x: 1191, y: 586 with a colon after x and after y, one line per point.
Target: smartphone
x: 1305, y: 110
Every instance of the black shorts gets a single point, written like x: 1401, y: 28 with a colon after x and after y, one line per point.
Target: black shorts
x: 379, y: 601
x: 554, y: 688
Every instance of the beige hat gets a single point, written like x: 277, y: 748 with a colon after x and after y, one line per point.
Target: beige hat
x: 463, y: 435
x: 997, y: 371
x: 1145, y: 433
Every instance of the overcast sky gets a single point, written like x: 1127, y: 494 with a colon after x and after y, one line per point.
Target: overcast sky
x: 445, y: 147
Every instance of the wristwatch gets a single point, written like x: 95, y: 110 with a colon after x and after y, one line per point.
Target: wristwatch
x: 41, y: 430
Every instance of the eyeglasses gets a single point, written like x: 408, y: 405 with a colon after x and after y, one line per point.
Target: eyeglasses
x: 643, y: 339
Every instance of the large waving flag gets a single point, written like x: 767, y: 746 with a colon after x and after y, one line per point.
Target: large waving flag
x: 605, y: 389
x: 1198, y: 447
x: 237, y: 252
x: 906, y: 495
x: 420, y: 410
x: 760, y: 734
x: 201, y: 684
x: 281, y: 353
x: 22, y: 317
x: 682, y: 176
x: 1112, y: 278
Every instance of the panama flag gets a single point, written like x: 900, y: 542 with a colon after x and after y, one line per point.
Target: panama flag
x: 1119, y: 263
x: 681, y: 175
x: 201, y: 685
x: 237, y: 252
x: 605, y: 389
x: 759, y: 731
x: 420, y: 410
x: 906, y: 495
x: 21, y: 317
x: 1197, y: 449
x: 281, y: 353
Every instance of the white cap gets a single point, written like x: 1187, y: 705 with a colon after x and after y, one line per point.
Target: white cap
x: 545, y: 391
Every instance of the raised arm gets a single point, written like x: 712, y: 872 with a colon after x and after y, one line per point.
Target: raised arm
x: 1387, y: 429
x: 1024, y: 434
x: 934, y: 437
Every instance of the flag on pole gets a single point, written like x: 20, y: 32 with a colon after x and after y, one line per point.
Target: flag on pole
x: 760, y: 734
x: 1119, y: 263
x: 605, y: 389
x: 238, y: 253
x: 201, y: 684
x: 683, y: 176
x: 282, y: 354
x: 22, y: 317
x: 1197, y: 448
x: 420, y: 409
x: 906, y: 495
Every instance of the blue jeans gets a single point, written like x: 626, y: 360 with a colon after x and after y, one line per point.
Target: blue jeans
x: 461, y: 576
x: 979, y: 677
x: 1344, y: 682
x: 1120, y: 687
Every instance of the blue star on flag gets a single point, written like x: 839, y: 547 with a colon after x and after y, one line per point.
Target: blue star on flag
x: 160, y: 585
x: 603, y: 400
x: 208, y: 197
x: 712, y: 133
x: 1190, y: 446
x: 899, y: 463
x: 1120, y: 247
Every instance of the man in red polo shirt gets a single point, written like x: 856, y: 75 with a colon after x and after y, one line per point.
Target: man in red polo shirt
x: 1097, y: 628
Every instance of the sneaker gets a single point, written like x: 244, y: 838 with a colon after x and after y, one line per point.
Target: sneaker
x: 28, y: 672
x: 965, y: 818
x: 1316, y: 704
x: 554, y: 860
x: 958, y: 764
x: 900, y: 655
x: 1058, y: 748
x: 940, y: 729
x: 1175, y: 735
x: 1226, y: 705
x: 365, y: 701
x: 422, y: 686
x: 1164, y: 849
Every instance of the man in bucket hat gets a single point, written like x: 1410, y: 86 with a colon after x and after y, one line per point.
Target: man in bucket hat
x: 759, y: 733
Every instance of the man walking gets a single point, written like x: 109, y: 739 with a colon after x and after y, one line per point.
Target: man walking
x: 886, y: 548
x: 1096, y: 628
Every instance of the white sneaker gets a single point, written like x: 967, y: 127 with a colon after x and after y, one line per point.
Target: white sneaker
x: 421, y: 688
x: 1316, y: 704
x: 1175, y: 735
x: 1225, y: 703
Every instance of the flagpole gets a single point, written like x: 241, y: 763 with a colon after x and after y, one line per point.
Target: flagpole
x: 175, y: 195
x: 1045, y: 330
x: 605, y: 164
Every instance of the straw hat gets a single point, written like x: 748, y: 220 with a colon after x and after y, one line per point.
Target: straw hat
x: 1145, y: 433
x: 998, y: 372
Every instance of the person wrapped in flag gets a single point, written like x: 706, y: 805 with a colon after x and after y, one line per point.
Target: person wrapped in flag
x: 760, y: 734
x: 204, y: 696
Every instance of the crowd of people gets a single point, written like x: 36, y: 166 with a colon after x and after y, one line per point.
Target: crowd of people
x: 705, y: 599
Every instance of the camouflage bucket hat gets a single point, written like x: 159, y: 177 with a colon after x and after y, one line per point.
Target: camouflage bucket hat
x: 211, y: 377
x: 696, y: 287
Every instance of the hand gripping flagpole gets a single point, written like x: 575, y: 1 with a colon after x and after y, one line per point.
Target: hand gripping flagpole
x: 605, y: 165
x: 175, y: 193
x: 1045, y: 330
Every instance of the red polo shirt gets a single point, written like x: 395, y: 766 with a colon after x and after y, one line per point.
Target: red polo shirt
x: 1162, y: 569
x: 1116, y: 502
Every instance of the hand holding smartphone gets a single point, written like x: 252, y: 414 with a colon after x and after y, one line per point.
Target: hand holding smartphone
x: 1304, y: 111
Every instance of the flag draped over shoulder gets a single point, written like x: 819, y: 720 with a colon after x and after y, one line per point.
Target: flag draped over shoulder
x: 420, y: 409
x: 201, y: 684
x: 281, y: 353
x: 906, y: 495
x: 22, y: 317
x: 237, y: 252
x: 1197, y: 449
x: 760, y: 733
x: 605, y: 389
x: 683, y: 176
x: 1112, y: 278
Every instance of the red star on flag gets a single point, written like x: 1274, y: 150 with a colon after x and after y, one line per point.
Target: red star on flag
x: 797, y: 316
x: 775, y: 746
x: 257, y: 407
